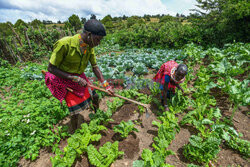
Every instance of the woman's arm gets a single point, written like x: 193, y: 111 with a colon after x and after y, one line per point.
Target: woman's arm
x: 165, y: 90
x: 179, y: 87
x: 100, y: 77
x: 98, y: 73
x: 57, y: 72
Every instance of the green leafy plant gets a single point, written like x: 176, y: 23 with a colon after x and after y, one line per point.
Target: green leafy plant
x: 78, y: 144
x: 167, y: 128
x: 115, y: 104
x: 101, y: 116
x: 232, y: 138
x: 202, y: 150
x: 139, y: 69
x: 178, y: 102
x: 242, y: 146
x: 152, y: 159
x: 143, y: 98
x: 124, y: 128
x: 107, y: 154
x: 154, y: 89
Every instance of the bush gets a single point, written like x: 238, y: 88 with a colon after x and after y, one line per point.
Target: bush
x: 157, y: 35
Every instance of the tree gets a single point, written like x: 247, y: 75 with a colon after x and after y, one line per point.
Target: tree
x: 124, y: 17
x: 131, y: 21
x: 93, y: 16
x: 36, y: 23
x: 75, y: 22
x: 107, y: 21
x: 67, y: 25
x: 47, y: 22
x: 167, y: 18
x: 223, y: 21
x: 134, y: 20
x: 182, y: 15
x: 5, y: 29
x: 146, y: 17
x: 83, y: 20
x: 19, y: 23
x: 116, y: 19
x: 157, y: 16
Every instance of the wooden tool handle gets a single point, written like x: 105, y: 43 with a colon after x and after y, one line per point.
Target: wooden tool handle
x: 116, y: 95
x: 103, y: 90
x: 133, y: 101
x: 44, y: 72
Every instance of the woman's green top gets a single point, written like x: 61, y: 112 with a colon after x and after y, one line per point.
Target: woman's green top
x: 67, y: 55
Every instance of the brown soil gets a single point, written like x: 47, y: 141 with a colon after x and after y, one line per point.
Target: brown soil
x: 151, y: 74
x: 228, y: 157
x: 124, y: 113
x: 145, y: 91
x: 180, y: 140
x: 42, y: 161
x: 128, y: 73
x: 134, y: 144
x: 245, y: 75
x: 241, y: 122
x: 221, y: 100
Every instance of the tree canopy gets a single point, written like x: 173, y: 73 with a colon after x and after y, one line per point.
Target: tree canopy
x: 75, y: 22
x: 223, y: 21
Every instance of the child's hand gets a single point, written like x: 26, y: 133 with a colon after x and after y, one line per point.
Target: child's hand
x: 166, y: 108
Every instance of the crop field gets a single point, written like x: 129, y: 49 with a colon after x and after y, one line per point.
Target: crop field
x: 204, y: 125
x: 208, y: 127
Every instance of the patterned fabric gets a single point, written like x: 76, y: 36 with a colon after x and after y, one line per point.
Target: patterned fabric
x: 57, y: 86
x: 77, y: 104
x: 170, y: 92
x: 83, y: 45
x: 167, y: 80
x: 165, y: 69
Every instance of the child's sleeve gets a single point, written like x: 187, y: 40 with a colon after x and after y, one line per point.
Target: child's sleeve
x: 167, y: 78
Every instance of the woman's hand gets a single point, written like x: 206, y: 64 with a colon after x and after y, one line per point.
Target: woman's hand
x: 80, y: 81
x: 166, y: 108
x: 110, y: 91
x: 182, y: 91
x: 179, y: 87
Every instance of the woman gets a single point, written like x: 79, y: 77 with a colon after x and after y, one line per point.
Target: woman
x: 68, y: 61
x: 170, y: 76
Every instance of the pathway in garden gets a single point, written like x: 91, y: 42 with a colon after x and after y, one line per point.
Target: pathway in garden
x: 137, y: 141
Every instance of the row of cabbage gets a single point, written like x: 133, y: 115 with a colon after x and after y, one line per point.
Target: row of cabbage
x: 115, y: 65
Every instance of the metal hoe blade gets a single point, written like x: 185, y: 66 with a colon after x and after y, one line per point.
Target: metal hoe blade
x: 147, y: 111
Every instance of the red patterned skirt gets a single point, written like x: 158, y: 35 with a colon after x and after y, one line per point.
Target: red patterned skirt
x: 77, y: 100
x: 77, y: 104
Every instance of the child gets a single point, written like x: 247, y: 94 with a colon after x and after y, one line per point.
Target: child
x: 170, y: 76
